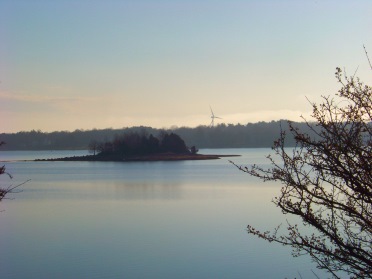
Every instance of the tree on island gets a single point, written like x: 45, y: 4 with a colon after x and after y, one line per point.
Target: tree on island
x: 327, y: 182
x: 173, y: 143
x: 93, y: 147
x: 136, y: 144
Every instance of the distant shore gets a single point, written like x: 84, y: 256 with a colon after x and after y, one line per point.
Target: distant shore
x: 139, y: 158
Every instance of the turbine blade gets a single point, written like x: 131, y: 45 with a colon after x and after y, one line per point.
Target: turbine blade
x: 211, y: 111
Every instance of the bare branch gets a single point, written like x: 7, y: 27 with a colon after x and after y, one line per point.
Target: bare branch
x: 10, y: 189
x: 369, y: 61
x: 327, y: 183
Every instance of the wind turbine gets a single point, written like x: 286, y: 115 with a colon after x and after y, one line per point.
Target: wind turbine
x: 213, y: 117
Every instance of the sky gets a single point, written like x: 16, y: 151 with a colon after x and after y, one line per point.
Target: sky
x: 85, y: 64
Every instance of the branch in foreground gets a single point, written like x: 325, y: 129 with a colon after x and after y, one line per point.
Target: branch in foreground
x: 327, y: 183
x: 10, y: 190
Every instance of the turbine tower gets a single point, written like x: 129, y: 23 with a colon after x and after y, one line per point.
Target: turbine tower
x: 213, y: 117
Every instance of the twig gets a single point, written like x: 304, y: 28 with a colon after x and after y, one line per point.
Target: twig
x: 369, y: 61
x: 315, y: 274
x: 10, y: 189
x: 356, y: 71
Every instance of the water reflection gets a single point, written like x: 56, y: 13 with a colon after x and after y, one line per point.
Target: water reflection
x: 141, y: 220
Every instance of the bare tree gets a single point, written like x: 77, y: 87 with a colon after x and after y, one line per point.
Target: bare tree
x: 93, y: 146
x: 327, y: 183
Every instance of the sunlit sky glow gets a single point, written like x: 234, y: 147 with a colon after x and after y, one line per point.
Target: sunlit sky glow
x: 67, y: 64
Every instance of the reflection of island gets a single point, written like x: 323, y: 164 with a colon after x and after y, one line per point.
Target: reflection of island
x: 136, y: 147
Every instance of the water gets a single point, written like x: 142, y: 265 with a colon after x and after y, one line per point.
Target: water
x: 183, y: 219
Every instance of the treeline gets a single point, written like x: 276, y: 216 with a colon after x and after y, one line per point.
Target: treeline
x: 135, y: 143
x: 261, y: 134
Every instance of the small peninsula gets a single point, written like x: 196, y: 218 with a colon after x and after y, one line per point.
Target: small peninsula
x: 133, y: 147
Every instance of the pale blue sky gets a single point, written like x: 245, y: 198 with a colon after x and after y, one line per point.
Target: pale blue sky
x: 67, y: 65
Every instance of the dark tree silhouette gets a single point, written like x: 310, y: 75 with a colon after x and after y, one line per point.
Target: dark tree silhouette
x: 194, y: 150
x: 93, y: 146
x: 134, y: 144
x: 173, y: 143
x: 152, y: 144
x: 327, y: 182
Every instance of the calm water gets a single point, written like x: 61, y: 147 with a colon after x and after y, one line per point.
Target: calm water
x: 140, y: 220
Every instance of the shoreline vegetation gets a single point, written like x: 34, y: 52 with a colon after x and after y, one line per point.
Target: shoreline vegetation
x: 251, y: 135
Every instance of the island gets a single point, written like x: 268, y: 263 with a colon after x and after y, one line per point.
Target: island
x: 141, y: 147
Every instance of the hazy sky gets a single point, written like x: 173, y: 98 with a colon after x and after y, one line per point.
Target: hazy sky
x: 71, y: 64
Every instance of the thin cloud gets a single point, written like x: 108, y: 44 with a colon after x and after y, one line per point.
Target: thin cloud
x: 44, y: 99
